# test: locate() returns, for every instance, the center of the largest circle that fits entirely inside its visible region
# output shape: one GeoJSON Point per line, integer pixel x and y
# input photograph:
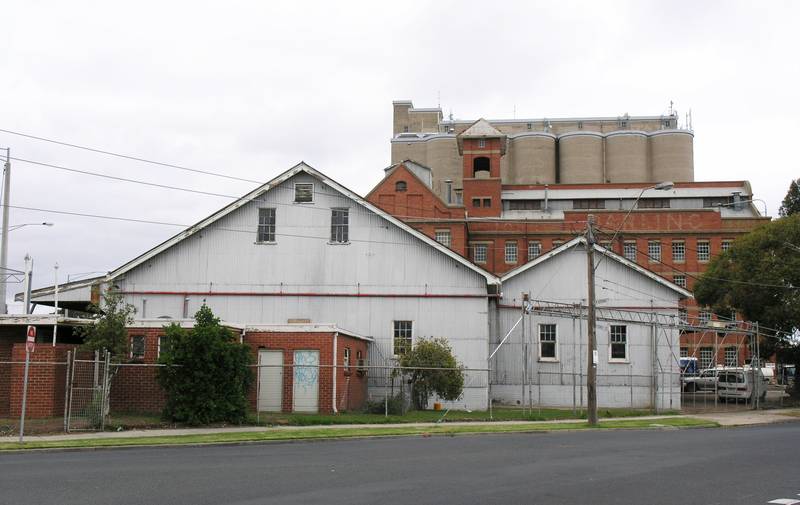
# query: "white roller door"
{"type": "Point", "coordinates": [270, 393]}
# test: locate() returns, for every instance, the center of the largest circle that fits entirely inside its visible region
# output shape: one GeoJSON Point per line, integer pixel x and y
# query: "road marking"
{"type": "Point", "coordinates": [785, 501]}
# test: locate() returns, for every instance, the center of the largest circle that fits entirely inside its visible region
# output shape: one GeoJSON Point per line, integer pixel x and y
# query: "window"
{"type": "Point", "coordinates": [405, 129]}
{"type": "Point", "coordinates": [530, 126]}
{"type": "Point", "coordinates": [340, 225]}
{"type": "Point", "coordinates": [479, 253]}
{"type": "Point", "coordinates": [580, 125]}
{"type": "Point", "coordinates": [703, 317]}
{"type": "Point", "coordinates": [511, 252]}
{"type": "Point", "coordinates": [629, 250]}
{"type": "Point", "coordinates": [683, 315]}
{"type": "Point", "coordinates": [266, 225]}
{"type": "Point", "coordinates": [443, 237]}
{"type": "Point", "coordinates": [717, 201]}
{"type": "Point", "coordinates": [589, 203]}
{"type": "Point", "coordinates": [459, 196]}
{"type": "Point", "coordinates": [605, 244]}
{"type": "Point", "coordinates": [487, 202]}
{"type": "Point", "coordinates": [402, 337]}
{"type": "Point", "coordinates": [303, 192]}
{"type": "Point", "coordinates": [534, 250]}
{"type": "Point", "coordinates": [726, 245]}
{"type": "Point", "coordinates": [706, 357]}
{"type": "Point", "coordinates": [654, 250]}
{"type": "Point", "coordinates": [548, 342]}
{"type": "Point", "coordinates": [346, 359]}
{"type": "Point", "coordinates": [731, 356]}
{"type": "Point", "coordinates": [163, 344]}
{"type": "Point", "coordinates": [524, 204]}
{"type": "Point", "coordinates": [481, 164]}
{"type": "Point", "coordinates": [618, 337]}
{"type": "Point", "coordinates": [557, 243]}
{"type": "Point", "coordinates": [703, 250]}
{"type": "Point", "coordinates": [678, 250]}
{"type": "Point", "coordinates": [679, 280]}
{"type": "Point", "coordinates": [400, 186]}
{"type": "Point", "coordinates": [654, 203]}
{"type": "Point", "coordinates": [137, 347]}
{"type": "Point", "coordinates": [476, 202]}
{"type": "Point", "coordinates": [481, 143]}
{"type": "Point", "coordinates": [684, 352]}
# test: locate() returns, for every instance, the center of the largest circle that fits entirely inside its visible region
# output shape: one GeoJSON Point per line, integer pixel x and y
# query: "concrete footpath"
{"type": "Point", "coordinates": [726, 419]}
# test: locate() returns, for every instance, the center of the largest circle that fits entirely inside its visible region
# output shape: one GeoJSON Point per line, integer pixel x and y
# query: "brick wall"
{"type": "Point", "coordinates": [46, 380]}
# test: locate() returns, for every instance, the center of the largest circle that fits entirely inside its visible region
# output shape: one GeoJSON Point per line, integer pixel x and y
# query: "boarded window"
{"type": "Point", "coordinates": [266, 225]}
{"type": "Point", "coordinates": [340, 225]}
{"type": "Point", "coordinates": [303, 192]}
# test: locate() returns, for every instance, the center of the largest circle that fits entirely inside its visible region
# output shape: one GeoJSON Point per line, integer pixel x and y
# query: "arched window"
{"type": "Point", "coordinates": [400, 186]}
{"type": "Point", "coordinates": [480, 164]}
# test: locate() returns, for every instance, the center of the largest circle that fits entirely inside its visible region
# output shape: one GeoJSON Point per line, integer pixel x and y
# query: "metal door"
{"type": "Point", "coordinates": [305, 389]}
{"type": "Point", "coordinates": [270, 381]}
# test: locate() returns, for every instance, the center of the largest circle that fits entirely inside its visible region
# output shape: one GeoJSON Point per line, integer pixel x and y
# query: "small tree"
{"type": "Point", "coordinates": [791, 203]}
{"type": "Point", "coordinates": [208, 372]}
{"type": "Point", "coordinates": [433, 353]}
{"type": "Point", "coordinates": [111, 318]}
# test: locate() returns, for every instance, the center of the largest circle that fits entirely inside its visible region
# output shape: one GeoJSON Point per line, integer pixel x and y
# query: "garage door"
{"type": "Point", "coordinates": [306, 381]}
{"type": "Point", "coordinates": [270, 378]}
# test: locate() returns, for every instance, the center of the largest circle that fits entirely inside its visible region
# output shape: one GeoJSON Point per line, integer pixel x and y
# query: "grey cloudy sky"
{"type": "Point", "coordinates": [251, 88]}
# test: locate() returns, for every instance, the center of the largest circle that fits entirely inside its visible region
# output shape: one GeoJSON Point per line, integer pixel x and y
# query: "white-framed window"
{"type": "Point", "coordinates": [703, 250]}
{"type": "Point", "coordinates": [304, 192]}
{"type": "Point", "coordinates": [618, 340]}
{"type": "Point", "coordinates": [340, 226]}
{"type": "Point", "coordinates": [346, 359]}
{"type": "Point", "coordinates": [402, 337]}
{"type": "Point", "coordinates": [548, 342]}
{"type": "Point", "coordinates": [678, 250]}
{"type": "Point", "coordinates": [266, 225]}
{"type": "Point", "coordinates": [629, 250]}
{"type": "Point", "coordinates": [706, 357]}
{"type": "Point", "coordinates": [163, 344]}
{"type": "Point", "coordinates": [534, 249]}
{"type": "Point", "coordinates": [703, 317]}
{"type": "Point", "coordinates": [511, 252]}
{"type": "Point", "coordinates": [137, 346]}
{"type": "Point", "coordinates": [654, 250]}
{"type": "Point", "coordinates": [684, 352]}
{"type": "Point", "coordinates": [481, 143]}
{"type": "Point", "coordinates": [443, 237]}
{"type": "Point", "coordinates": [731, 356]}
{"type": "Point", "coordinates": [726, 244]}
{"type": "Point", "coordinates": [479, 253]}
{"type": "Point", "coordinates": [679, 280]}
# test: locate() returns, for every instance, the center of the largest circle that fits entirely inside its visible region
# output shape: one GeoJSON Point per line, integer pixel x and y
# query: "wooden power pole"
{"type": "Point", "coordinates": [591, 353]}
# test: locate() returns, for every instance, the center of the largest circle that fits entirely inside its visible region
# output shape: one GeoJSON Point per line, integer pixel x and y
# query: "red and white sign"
{"type": "Point", "coordinates": [30, 342]}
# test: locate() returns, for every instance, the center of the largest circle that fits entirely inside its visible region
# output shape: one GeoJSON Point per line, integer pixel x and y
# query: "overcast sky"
{"type": "Point", "coordinates": [252, 88]}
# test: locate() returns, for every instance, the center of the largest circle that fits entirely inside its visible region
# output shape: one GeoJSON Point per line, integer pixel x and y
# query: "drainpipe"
{"type": "Point", "coordinates": [335, 335]}
{"type": "Point", "coordinates": [546, 209]}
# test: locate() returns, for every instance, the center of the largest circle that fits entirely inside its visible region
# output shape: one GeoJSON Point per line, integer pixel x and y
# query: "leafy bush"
{"type": "Point", "coordinates": [395, 405]}
{"type": "Point", "coordinates": [207, 374]}
{"type": "Point", "coordinates": [427, 354]}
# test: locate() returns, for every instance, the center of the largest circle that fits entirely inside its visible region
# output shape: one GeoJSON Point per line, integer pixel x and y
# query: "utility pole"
{"type": "Point", "coordinates": [591, 353]}
{"type": "Point", "coordinates": [4, 238]}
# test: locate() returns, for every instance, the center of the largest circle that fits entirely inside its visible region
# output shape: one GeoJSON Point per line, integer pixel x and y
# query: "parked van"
{"type": "Point", "coordinates": [737, 383]}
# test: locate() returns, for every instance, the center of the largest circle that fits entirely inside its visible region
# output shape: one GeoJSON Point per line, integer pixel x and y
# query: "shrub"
{"type": "Point", "coordinates": [395, 405]}
{"type": "Point", "coordinates": [208, 373]}
{"type": "Point", "coordinates": [427, 354]}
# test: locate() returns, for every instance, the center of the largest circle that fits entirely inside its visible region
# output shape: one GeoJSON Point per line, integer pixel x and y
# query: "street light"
{"type": "Point", "coordinates": [18, 226]}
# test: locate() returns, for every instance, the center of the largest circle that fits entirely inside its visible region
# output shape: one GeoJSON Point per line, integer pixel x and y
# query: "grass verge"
{"type": "Point", "coordinates": [284, 434]}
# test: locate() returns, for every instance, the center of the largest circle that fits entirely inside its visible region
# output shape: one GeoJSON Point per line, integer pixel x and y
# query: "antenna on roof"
{"type": "Point", "coordinates": [671, 112]}
{"type": "Point", "coordinates": [439, 99]}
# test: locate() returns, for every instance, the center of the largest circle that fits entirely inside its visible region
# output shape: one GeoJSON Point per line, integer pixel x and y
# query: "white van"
{"type": "Point", "coordinates": [737, 383]}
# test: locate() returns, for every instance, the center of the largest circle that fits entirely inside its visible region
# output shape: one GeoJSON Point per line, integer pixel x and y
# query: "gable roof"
{"type": "Point", "coordinates": [301, 167]}
{"type": "Point", "coordinates": [605, 252]}
{"type": "Point", "coordinates": [404, 165]}
{"type": "Point", "coordinates": [481, 128]}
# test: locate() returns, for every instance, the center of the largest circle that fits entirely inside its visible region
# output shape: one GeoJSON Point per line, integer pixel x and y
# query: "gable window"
{"type": "Point", "coordinates": [703, 250]}
{"type": "Point", "coordinates": [618, 338]}
{"type": "Point", "coordinates": [678, 250]}
{"type": "Point", "coordinates": [340, 226]}
{"type": "Point", "coordinates": [303, 192]}
{"type": "Point", "coordinates": [266, 225]}
{"type": "Point", "coordinates": [163, 344]}
{"type": "Point", "coordinates": [479, 253]}
{"type": "Point", "coordinates": [679, 280]}
{"type": "Point", "coordinates": [481, 143]}
{"type": "Point", "coordinates": [534, 249]}
{"type": "Point", "coordinates": [654, 251]}
{"type": "Point", "coordinates": [511, 252]}
{"type": "Point", "coordinates": [629, 250]}
{"type": "Point", "coordinates": [400, 186]}
{"type": "Point", "coordinates": [443, 237]}
{"type": "Point", "coordinates": [137, 347]}
{"type": "Point", "coordinates": [589, 203]}
{"type": "Point", "coordinates": [402, 337]}
{"type": "Point", "coordinates": [548, 342]}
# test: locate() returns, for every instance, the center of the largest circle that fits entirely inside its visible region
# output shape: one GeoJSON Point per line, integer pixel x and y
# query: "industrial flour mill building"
{"type": "Point", "coordinates": [503, 192]}
{"type": "Point", "coordinates": [308, 273]}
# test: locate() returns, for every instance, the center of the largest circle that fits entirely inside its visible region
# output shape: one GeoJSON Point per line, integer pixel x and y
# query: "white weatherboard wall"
{"type": "Point", "coordinates": [383, 274]}
{"type": "Point", "coordinates": [563, 279]}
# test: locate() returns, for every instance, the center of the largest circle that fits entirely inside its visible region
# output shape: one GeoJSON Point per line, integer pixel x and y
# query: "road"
{"type": "Point", "coordinates": [698, 466]}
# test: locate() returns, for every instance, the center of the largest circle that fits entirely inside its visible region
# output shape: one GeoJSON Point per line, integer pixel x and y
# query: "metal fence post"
{"type": "Point", "coordinates": [24, 395]}
{"type": "Point", "coordinates": [66, 390]}
{"type": "Point", "coordinates": [106, 389]}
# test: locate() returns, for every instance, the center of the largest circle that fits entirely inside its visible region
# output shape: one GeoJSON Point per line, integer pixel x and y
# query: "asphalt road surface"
{"type": "Point", "coordinates": [698, 466]}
